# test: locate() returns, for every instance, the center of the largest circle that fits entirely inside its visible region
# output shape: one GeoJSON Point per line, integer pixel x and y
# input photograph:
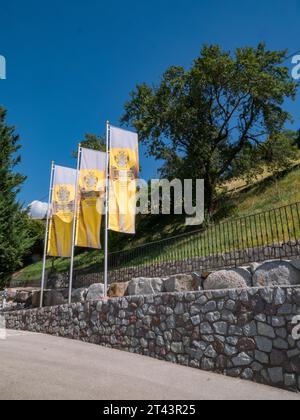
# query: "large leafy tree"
{"type": "Point", "coordinates": [15, 237]}
{"type": "Point", "coordinates": [297, 139]}
{"type": "Point", "coordinates": [220, 119]}
{"type": "Point", "coordinates": [93, 142]}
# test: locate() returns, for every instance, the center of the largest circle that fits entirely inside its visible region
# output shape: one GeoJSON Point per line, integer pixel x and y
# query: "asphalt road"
{"type": "Point", "coordinates": [34, 366]}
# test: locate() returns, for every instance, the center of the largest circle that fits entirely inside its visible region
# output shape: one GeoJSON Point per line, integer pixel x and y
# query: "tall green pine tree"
{"type": "Point", "coordinates": [15, 240]}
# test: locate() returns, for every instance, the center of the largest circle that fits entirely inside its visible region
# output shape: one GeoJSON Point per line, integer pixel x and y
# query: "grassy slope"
{"type": "Point", "coordinates": [264, 195]}
{"type": "Point", "coordinates": [269, 193]}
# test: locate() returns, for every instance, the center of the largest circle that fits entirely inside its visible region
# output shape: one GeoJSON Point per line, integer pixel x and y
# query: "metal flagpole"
{"type": "Point", "coordinates": [74, 223]}
{"type": "Point", "coordinates": [106, 209]}
{"type": "Point", "coordinates": [47, 233]}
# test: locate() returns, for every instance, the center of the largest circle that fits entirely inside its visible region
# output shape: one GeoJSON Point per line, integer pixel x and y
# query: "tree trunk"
{"type": "Point", "coordinates": [210, 187]}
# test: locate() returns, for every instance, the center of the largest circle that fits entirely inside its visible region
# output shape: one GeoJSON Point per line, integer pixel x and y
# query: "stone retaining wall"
{"type": "Point", "coordinates": [241, 333]}
{"type": "Point", "coordinates": [189, 265]}
{"type": "Point", "coordinates": [84, 278]}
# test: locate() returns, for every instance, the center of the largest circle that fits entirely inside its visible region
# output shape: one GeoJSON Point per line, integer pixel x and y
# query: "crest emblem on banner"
{"type": "Point", "coordinates": [90, 181]}
{"type": "Point", "coordinates": [63, 194]}
{"type": "Point", "coordinates": [122, 159]}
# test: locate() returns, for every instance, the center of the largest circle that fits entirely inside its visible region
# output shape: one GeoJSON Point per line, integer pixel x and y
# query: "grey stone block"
{"type": "Point", "coordinates": [276, 375]}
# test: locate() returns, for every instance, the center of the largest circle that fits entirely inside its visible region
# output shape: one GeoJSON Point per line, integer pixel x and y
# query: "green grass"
{"type": "Point", "coordinates": [234, 232]}
{"type": "Point", "coordinates": [60, 265]}
{"type": "Point", "coordinates": [270, 193]}
{"type": "Point", "coordinates": [268, 228]}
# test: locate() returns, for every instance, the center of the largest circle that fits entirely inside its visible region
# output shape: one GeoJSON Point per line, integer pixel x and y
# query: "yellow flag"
{"type": "Point", "coordinates": [62, 216]}
{"type": "Point", "coordinates": [91, 198]}
{"type": "Point", "coordinates": [124, 169]}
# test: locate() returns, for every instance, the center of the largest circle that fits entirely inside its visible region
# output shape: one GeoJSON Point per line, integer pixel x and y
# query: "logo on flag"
{"type": "Point", "coordinates": [63, 195]}
{"type": "Point", "coordinates": [122, 159]}
{"type": "Point", "coordinates": [90, 181]}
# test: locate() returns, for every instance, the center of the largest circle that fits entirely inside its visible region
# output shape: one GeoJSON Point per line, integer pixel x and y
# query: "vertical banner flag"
{"type": "Point", "coordinates": [91, 198]}
{"type": "Point", "coordinates": [61, 223]}
{"type": "Point", "coordinates": [124, 169]}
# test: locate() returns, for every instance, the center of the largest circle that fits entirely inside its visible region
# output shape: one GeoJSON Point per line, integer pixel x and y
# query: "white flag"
{"type": "Point", "coordinates": [124, 169]}
{"type": "Point", "coordinates": [62, 214]}
{"type": "Point", "coordinates": [91, 198]}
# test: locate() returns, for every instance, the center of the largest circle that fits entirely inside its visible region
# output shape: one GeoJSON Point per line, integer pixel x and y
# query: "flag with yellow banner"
{"type": "Point", "coordinates": [62, 212]}
{"type": "Point", "coordinates": [91, 193]}
{"type": "Point", "coordinates": [123, 169]}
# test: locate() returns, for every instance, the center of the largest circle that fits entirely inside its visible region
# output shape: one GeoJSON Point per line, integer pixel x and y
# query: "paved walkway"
{"type": "Point", "coordinates": [34, 366]}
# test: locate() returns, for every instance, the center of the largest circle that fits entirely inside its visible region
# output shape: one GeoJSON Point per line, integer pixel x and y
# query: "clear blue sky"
{"type": "Point", "coordinates": [71, 64]}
